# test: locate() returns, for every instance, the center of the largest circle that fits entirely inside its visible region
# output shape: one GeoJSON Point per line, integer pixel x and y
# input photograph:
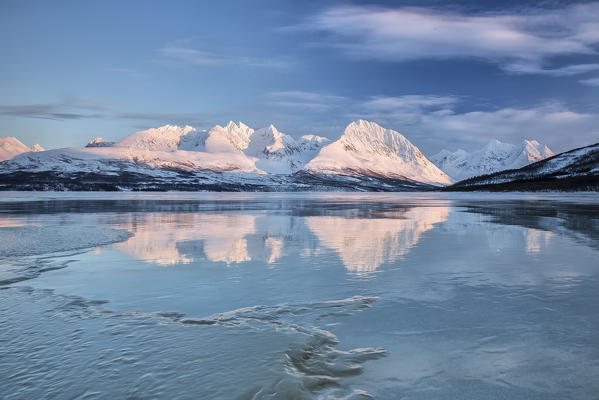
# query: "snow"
{"type": "Point", "coordinates": [495, 156]}
{"type": "Point", "coordinates": [234, 147]}
{"type": "Point", "coordinates": [11, 147]}
{"type": "Point", "coordinates": [102, 159]}
{"type": "Point", "coordinates": [572, 163]}
{"type": "Point", "coordinates": [278, 153]}
{"type": "Point", "coordinates": [165, 138]}
{"type": "Point", "coordinates": [366, 148]}
{"type": "Point", "coordinates": [229, 138]}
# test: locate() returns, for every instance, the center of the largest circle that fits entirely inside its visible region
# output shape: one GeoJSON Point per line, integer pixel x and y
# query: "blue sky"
{"type": "Point", "coordinates": [446, 75]}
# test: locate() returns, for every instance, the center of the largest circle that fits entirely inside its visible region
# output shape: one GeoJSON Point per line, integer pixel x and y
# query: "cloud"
{"type": "Point", "coordinates": [74, 111]}
{"type": "Point", "coordinates": [55, 111]}
{"type": "Point", "coordinates": [409, 102]}
{"type": "Point", "coordinates": [591, 81]}
{"type": "Point", "coordinates": [305, 100]}
{"type": "Point", "coordinates": [563, 71]}
{"type": "Point", "coordinates": [182, 52]}
{"type": "Point", "coordinates": [436, 124]}
{"type": "Point", "coordinates": [407, 109]}
{"type": "Point", "coordinates": [520, 43]}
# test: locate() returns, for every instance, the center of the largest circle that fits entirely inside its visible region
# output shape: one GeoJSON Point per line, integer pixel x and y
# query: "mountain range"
{"type": "Point", "coordinates": [236, 157]}
{"type": "Point", "coordinates": [576, 169]}
{"type": "Point", "coordinates": [495, 156]}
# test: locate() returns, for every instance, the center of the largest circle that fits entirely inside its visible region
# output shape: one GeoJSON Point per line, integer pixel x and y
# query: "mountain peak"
{"type": "Point", "coordinates": [363, 124]}
{"type": "Point", "coordinates": [11, 147]}
{"type": "Point", "coordinates": [367, 148]}
{"type": "Point", "coordinates": [231, 137]}
{"type": "Point", "coordinates": [532, 142]}
{"type": "Point", "coordinates": [236, 126]}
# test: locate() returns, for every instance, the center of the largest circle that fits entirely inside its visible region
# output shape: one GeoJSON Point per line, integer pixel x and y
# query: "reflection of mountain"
{"type": "Point", "coordinates": [363, 243]}
{"type": "Point", "coordinates": [537, 240]}
{"type": "Point", "coordinates": [366, 243]}
{"type": "Point", "coordinates": [167, 239]}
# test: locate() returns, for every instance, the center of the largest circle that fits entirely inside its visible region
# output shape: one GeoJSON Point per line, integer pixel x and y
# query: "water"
{"type": "Point", "coordinates": [299, 296]}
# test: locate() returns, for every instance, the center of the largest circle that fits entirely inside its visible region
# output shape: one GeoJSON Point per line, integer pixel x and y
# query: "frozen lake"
{"type": "Point", "coordinates": [299, 296]}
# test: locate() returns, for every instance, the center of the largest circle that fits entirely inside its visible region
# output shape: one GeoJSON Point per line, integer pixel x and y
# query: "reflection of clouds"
{"type": "Point", "coordinates": [366, 243]}
{"type": "Point", "coordinates": [536, 240]}
{"type": "Point", "coordinates": [156, 237]}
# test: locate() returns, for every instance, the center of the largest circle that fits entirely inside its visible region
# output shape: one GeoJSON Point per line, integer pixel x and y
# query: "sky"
{"type": "Point", "coordinates": [447, 75]}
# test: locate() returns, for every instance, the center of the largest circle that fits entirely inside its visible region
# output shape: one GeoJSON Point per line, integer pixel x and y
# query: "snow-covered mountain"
{"type": "Point", "coordinates": [366, 157]}
{"type": "Point", "coordinates": [495, 156]}
{"type": "Point", "coordinates": [366, 148]}
{"type": "Point", "coordinates": [280, 153]}
{"type": "Point", "coordinates": [576, 169]}
{"type": "Point", "coordinates": [11, 147]}
{"type": "Point", "coordinates": [234, 147]}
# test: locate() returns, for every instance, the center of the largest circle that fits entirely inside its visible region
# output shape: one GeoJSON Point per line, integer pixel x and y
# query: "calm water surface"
{"type": "Point", "coordinates": [299, 296]}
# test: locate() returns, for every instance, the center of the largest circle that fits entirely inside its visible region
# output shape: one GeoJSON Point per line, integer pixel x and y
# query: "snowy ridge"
{"type": "Point", "coordinates": [11, 147]}
{"type": "Point", "coordinates": [282, 154]}
{"type": "Point", "coordinates": [165, 138]}
{"type": "Point", "coordinates": [495, 156]}
{"type": "Point", "coordinates": [366, 148]}
{"type": "Point", "coordinates": [576, 169]}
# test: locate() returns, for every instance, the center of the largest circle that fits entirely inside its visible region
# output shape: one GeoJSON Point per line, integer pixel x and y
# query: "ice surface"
{"type": "Point", "coordinates": [31, 240]}
{"type": "Point", "coordinates": [302, 296]}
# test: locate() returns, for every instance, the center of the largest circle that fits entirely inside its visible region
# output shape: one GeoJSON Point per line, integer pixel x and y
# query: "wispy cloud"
{"type": "Point", "coordinates": [517, 42]}
{"type": "Point", "coordinates": [409, 102]}
{"type": "Point", "coordinates": [55, 111]}
{"type": "Point", "coordinates": [407, 109]}
{"type": "Point", "coordinates": [298, 99]}
{"type": "Point", "coordinates": [435, 122]}
{"type": "Point", "coordinates": [75, 110]}
{"type": "Point", "coordinates": [591, 81]}
{"type": "Point", "coordinates": [183, 52]}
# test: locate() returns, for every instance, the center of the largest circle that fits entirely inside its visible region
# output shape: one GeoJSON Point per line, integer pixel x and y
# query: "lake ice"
{"type": "Point", "coordinates": [299, 296]}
